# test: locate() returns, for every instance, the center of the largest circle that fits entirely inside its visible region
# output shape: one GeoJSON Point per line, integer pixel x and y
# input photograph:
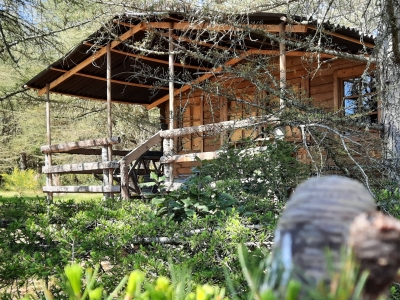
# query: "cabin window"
{"type": "Point", "coordinates": [360, 98]}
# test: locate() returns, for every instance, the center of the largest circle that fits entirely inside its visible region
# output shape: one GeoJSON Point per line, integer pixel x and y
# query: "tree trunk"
{"type": "Point", "coordinates": [22, 161]}
{"type": "Point", "coordinates": [389, 64]}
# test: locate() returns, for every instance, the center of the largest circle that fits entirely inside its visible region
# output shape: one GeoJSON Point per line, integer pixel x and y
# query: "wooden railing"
{"type": "Point", "coordinates": [80, 147]}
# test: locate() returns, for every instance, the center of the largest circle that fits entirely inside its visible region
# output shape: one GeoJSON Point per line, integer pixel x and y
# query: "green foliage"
{"type": "Point", "coordinates": [388, 200]}
{"type": "Point", "coordinates": [38, 240]}
{"type": "Point", "coordinates": [21, 180]}
{"type": "Point", "coordinates": [134, 286]}
{"type": "Point", "coordinates": [269, 172]}
{"type": "Point", "coordinates": [197, 196]}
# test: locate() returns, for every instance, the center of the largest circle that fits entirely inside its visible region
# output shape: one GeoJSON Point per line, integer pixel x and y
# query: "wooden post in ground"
{"type": "Point", "coordinates": [109, 120]}
{"type": "Point", "coordinates": [124, 179]}
{"type": "Point", "coordinates": [169, 143]}
{"type": "Point", "coordinates": [47, 156]}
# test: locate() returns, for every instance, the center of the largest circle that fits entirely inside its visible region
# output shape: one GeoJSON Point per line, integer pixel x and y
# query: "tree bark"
{"type": "Point", "coordinates": [389, 63]}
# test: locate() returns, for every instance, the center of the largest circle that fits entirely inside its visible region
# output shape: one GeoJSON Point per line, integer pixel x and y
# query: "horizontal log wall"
{"type": "Point", "coordinates": [306, 78]}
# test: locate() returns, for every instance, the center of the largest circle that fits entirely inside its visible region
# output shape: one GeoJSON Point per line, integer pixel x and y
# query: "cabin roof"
{"type": "Point", "coordinates": [82, 71]}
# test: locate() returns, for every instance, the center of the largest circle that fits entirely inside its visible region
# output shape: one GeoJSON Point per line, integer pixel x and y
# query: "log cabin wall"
{"type": "Point", "coordinates": [310, 79]}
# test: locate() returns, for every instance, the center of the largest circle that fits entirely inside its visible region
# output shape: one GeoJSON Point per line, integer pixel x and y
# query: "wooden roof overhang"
{"type": "Point", "coordinates": [82, 72]}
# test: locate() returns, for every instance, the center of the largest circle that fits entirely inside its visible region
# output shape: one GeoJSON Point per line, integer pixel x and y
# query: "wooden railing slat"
{"type": "Point", "coordinates": [83, 189]}
{"type": "Point", "coordinates": [80, 144]}
{"type": "Point", "coordinates": [80, 167]}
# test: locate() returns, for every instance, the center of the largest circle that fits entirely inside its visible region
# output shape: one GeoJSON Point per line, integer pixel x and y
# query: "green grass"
{"type": "Point", "coordinates": [75, 196]}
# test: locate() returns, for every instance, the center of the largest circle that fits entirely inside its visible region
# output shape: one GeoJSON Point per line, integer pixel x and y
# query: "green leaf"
{"type": "Point", "coordinates": [189, 212]}
{"type": "Point", "coordinates": [96, 293]}
{"type": "Point", "coordinates": [187, 202]}
{"type": "Point", "coordinates": [74, 276]}
{"type": "Point", "coordinates": [157, 201]}
{"type": "Point", "coordinates": [154, 176]}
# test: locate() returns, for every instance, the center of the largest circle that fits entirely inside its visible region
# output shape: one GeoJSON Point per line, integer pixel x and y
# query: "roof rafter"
{"type": "Point", "coordinates": [143, 57]}
{"type": "Point", "coordinates": [90, 98]}
{"type": "Point", "coordinates": [148, 86]}
{"type": "Point", "coordinates": [92, 58]}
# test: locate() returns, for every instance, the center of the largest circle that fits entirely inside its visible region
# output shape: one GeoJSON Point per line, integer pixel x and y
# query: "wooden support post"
{"type": "Point", "coordinates": [47, 156]}
{"type": "Point", "coordinates": [337, 95]}
{"type": "Point", "coordinates": [104, 158]}
{"type": "Point", "coordinates": [223, 111]}
{"type": "Point", "coordinates": [169, 148]}
{"type": "Point", "coordinates": [282, 64]}
{"type": "Point", "coordinates": [109, 120]}
{"type": "Point", "coordinates": [124, 180]}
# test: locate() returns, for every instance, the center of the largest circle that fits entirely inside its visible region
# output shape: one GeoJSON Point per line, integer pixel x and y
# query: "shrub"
{"type": "Point", "coordinates": [21, 180]}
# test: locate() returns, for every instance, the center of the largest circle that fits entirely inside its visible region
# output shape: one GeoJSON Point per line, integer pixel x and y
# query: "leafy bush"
{"type": "Point", "coordinates": [271, 171]}
{"type": "Point", "coordinates": [197, 196]}
{"type": "Point", "coordinates": [38, 240]}
{"type": "Point", "coordinates": [21, 180]}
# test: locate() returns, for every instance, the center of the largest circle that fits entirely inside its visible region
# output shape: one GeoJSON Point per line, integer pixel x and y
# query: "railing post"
{"type": "Point", "coordinates": [124, 180]}
{"type": "Point", "coordinates": [104, 158]}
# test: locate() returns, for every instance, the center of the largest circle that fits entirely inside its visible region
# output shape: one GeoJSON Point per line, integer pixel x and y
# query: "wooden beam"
{"type": "Point", "coordinates": [147, 86]}
{"type": "Point", "coordinates": [343, 37]}
{"type": "Point", "coordinates": [90, 98]}
{"type": "Point", "coordinates": [92, 58]}
{"type": "Point", "coordinates": [160, 60]}
{"type": "Point", "coordinates": [141, 149]}
{"type": "Point", "coordinates": [143, 57]}
{"type": "Point", "coordinates": [81, 167]}
{"type": "Point", "coordinates": [80, 144]}
{"type": "Point", "coordinates": [221, 27]}
{"type": "Point", "coordinates": [82, 189]}
{"type": "Point", "coordinates": [96, 152]}
{"type": "Point", "coordinates": [217, 127]}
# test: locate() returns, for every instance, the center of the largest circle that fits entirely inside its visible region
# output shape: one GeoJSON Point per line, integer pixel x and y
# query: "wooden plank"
{"type": "Point", "coordinates": [147, 86]}
{"type": "Point", "coordinates": [141, 149]}
{"type": "Point", "coordinates": [84, 167]}
{"type": "Point", "coordinates": [92, 58]}
{"type": "Point", "coordinates": [82, 189]}
{"type": "Point", "coordinates": [80, 144]}
{"type": "Point", "coordinates": [96, 152]}
{"type": "Point", "coordinates": [354, 71]}
{"type": "Point", "coordinates": [321, 89]}
{"type": "Point", "coordinates": [322, 97]}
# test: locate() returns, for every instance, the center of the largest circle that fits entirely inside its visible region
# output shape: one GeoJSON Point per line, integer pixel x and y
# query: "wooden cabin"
{"type": "Point", "coordinates": [214, 84]}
